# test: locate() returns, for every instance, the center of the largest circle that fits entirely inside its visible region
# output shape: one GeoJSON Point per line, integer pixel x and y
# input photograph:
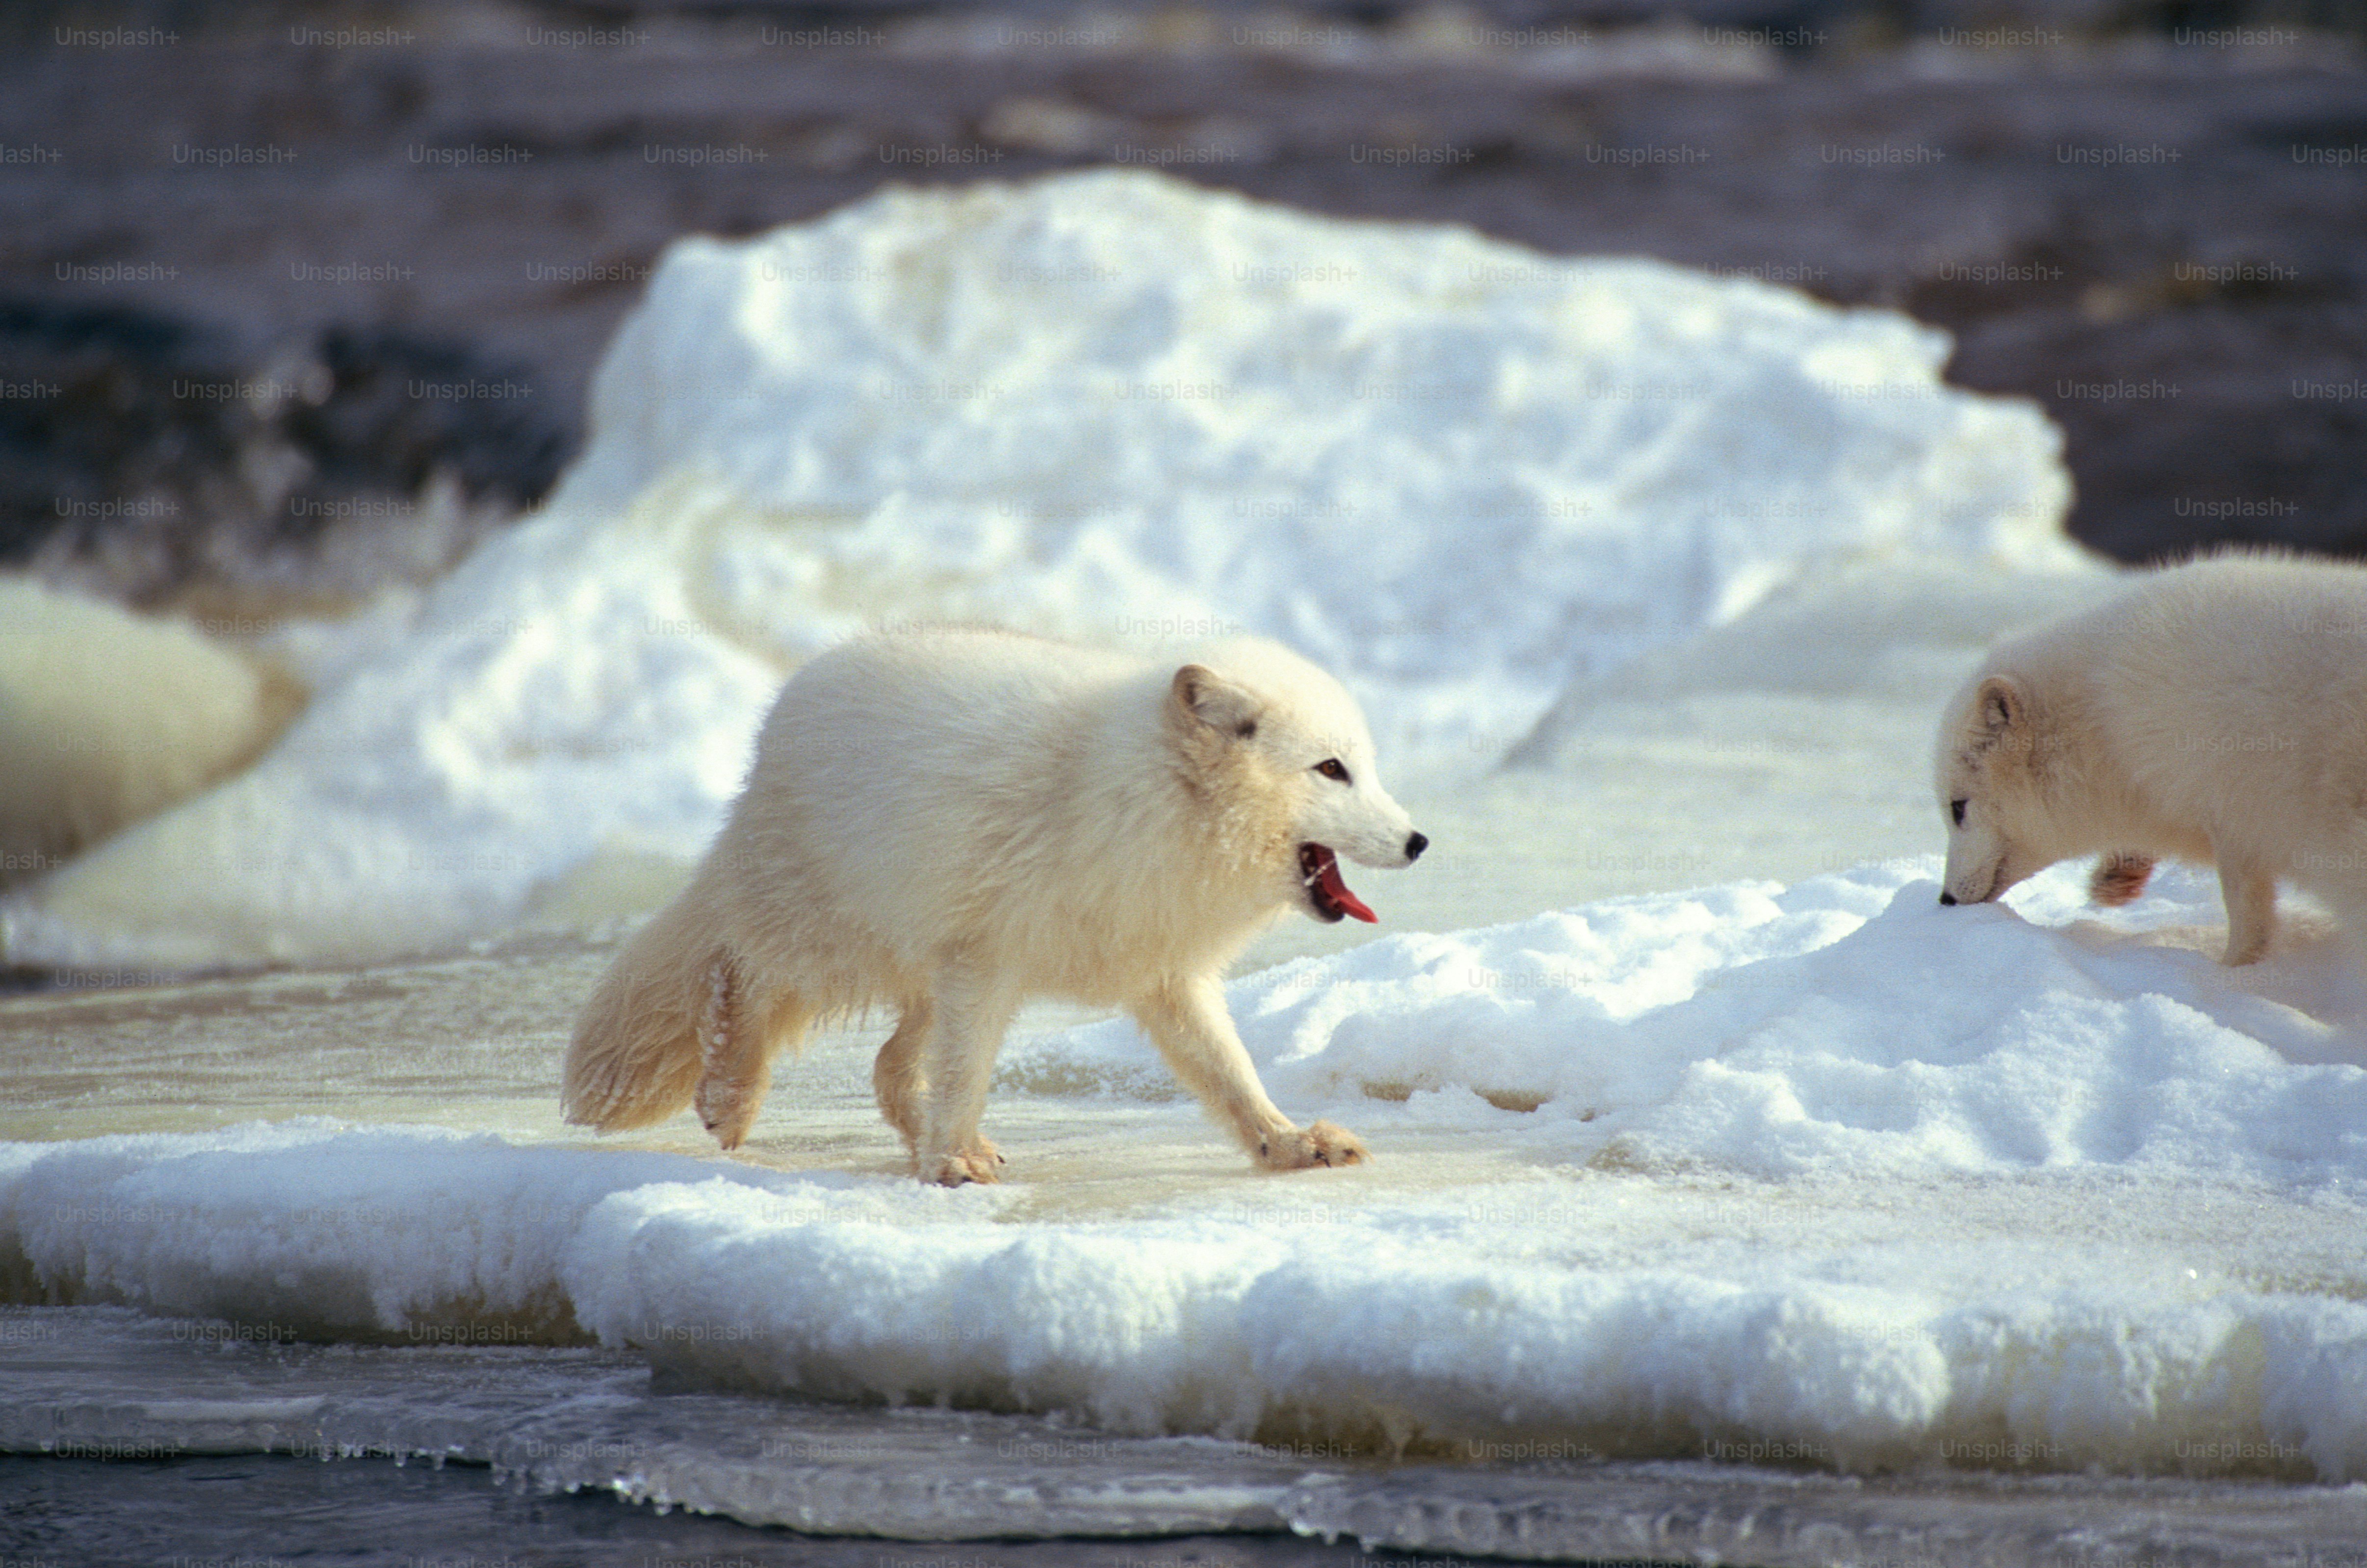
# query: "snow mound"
{"type": "Point", "coordinates": [1848, 1026]}
{"type": "Point", "coordinates": [1108, 405]}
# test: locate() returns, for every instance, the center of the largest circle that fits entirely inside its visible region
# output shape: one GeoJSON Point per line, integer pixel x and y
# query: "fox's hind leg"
{"type": "Point", "coordinates": [740, 1030]}
{"type": "Point", "coordinates": [2120, 878]}
{"type": "Point", "coordinates": [2336, 873]}
{"type": "Point", "coordinates": [895, 1076]}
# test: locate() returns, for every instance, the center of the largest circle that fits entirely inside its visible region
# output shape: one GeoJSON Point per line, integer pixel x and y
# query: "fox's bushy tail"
{"type": "Point", "coordinates": [639, 1047]}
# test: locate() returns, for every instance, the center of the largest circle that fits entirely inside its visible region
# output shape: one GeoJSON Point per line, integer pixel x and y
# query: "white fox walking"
{"type": "Point", "coordinates": [952, 822]}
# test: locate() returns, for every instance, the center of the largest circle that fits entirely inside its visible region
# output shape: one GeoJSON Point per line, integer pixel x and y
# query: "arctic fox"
{"type": "Point", "coordinates": [951, 822]}
{"type": "Point", "coordinates": [2215, 713]}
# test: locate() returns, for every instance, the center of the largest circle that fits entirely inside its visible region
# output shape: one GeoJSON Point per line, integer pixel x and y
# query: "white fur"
{"type": "Point", "coordinates": [2215, 713]}
{"type": "Point", "coordinates": [953, 822]}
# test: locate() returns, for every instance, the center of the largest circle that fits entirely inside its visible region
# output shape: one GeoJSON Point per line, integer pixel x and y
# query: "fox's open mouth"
{"type": "Point", "coordinates": [1318, 869]}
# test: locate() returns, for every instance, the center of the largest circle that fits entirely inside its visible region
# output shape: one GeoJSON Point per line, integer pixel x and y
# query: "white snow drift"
{"type": "Point", "coordinates": [1109, 405]}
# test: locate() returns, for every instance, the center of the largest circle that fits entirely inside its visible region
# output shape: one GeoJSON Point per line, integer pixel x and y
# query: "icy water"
{"type": "Point", "coordinates": [256, 1510]}
{"type": "Point", "coordinates": [183, 1440]}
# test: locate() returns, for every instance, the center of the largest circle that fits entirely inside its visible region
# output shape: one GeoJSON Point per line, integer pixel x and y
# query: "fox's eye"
{"type": "Point", "coordinates": [1957, 812]}
{"type": "Point", "coordinates": [1331, 769]}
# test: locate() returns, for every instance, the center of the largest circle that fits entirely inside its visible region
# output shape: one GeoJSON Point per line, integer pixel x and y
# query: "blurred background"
{"type": "Point", "coordinates": [289, 212]}
{"type": "Point", "coordinates": [301, 303]}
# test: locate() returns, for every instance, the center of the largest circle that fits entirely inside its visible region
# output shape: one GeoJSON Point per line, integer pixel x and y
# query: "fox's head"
{"type": "Point", "coordinates": [1283, 750]}
{"type": "Point", "coordinates": [1993, 778]}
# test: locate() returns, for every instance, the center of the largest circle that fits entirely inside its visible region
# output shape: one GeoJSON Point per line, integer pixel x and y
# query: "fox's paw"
{"type": "Point", "coordinates": [730, 1135]}
{"type": "Point", "coordinates": [981, 1163]}
{"type": "Point", "coordinates": [1319, 1143]}
{"type": "Point", "coordinates": [729, 1110]}
{"type": "Point", "coordinates": [2118, 879]}
{"type": "Point", "coordinates": [2247, 951]}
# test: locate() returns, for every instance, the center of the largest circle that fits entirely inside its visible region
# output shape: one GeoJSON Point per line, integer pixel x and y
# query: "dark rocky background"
{"type": "Point", "coordinates": [237, 241]}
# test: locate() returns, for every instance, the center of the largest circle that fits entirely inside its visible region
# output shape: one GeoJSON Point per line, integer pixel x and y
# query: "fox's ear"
{"type": "Point", "coordinates": [1202, 695]}
{"type": "Point", "coordinates": [2000, 709]}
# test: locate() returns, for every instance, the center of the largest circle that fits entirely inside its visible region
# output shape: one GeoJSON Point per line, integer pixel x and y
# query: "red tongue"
{"type": "Point", "coordinates": [1327, 877]}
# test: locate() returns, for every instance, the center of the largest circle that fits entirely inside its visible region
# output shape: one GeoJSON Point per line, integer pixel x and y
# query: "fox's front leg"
{"type": "Point", "coordinates": [1187, 1020]}
{"type": "Point", "coordinates": [2250, 895]}
{"type": "Point", "coordinates": [965, 1017]}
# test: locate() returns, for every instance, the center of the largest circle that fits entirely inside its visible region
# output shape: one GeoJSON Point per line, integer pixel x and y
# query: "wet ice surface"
{"type": "Point", "coordinates": [105, 1385]}
{"type": "Point", "coordinates": [87, 1384]}
{"type": "Point", "coordinates": [251, 1509]}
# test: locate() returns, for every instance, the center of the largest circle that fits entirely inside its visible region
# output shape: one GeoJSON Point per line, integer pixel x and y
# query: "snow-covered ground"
{"type": "Point", "coordinates": [1826, 1174]}
{"type": "Point", "coordinates": [1701, 1132]}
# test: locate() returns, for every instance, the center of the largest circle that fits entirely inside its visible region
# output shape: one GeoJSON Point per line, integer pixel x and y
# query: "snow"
{"type": "Point", "coordinates": [1823, 1175]}
{"type": "Point", "coordinates": [1747, 1151]}
{"type": "Point", "coordinates": [1107, 405]}
{"type": "Point", "coordinates": [1848, 1027]}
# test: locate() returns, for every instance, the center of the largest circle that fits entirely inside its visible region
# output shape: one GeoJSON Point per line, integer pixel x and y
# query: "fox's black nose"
{"type": "Point", "coordinates": [1946, 896]}
{"type": "Point", "coordinates": [1415, 844]}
